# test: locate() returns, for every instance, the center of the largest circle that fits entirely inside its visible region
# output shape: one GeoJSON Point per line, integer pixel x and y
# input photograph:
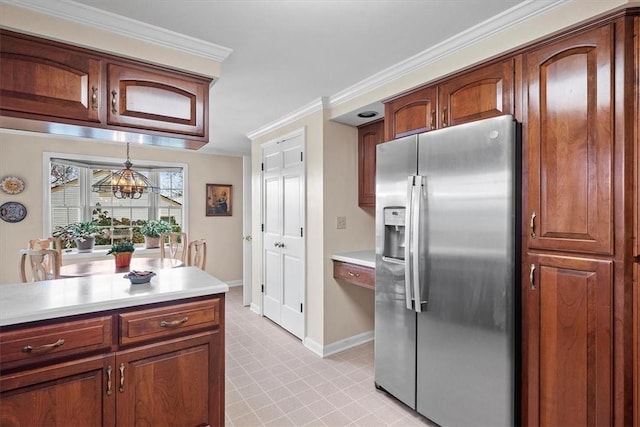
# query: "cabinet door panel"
{"type": "Point", "coordinates": [55, 395]}
{"type": "Point", "coordinates": [153, 100]}
{"type": "Point", "coordinates": [569, 349]}
{"type": "Point", "coordinates": [479, 94]}
{"type": "Point", "coordinates": [47, 82]}
{"type": "Point", "coordinates": [369, 136]}
{"type": "Point", "coordinates": [410, 114]}
{"type": "Point", "coordinates": [172, 384]}
{"type": "Point", "coordinates": [570, 144]}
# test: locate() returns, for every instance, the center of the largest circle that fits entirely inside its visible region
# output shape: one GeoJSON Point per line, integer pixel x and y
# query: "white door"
{"type": "Point", "coordinates": [283, 235]}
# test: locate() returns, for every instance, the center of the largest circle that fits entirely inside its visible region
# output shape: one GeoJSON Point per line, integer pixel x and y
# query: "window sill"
{"type": "Point", "coordinates": [73, 254]}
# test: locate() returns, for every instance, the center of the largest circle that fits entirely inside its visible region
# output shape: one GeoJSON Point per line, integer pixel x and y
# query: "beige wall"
{"type": "Point", "coordinates": [21, 155]}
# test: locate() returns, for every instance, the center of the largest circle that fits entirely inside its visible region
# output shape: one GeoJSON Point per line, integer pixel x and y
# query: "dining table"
{"type": "Point", "coordinates": [108, 266]}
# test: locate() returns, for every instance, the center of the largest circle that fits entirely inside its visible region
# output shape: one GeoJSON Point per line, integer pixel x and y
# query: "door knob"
{"type": "Point", "coordinates": [247, 238]}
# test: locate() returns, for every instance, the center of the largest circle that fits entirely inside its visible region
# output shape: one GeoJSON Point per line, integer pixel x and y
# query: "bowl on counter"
{"type": "Point", "coordinates": [139, 277]}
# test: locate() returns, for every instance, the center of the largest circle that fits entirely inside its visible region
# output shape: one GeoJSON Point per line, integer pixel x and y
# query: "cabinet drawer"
{"type": "Point", "coordinates": [43, 343]}
{"type": "Point", "coordinates": [164, 322]}
{"type": "Point", "coordinates": [355, 274]}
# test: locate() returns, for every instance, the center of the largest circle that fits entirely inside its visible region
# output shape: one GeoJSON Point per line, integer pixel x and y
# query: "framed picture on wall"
{"type": "Point", "coordinates": [219, 201]}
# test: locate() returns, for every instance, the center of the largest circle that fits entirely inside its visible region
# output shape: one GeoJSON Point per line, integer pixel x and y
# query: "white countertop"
{"type": "Point", "coordinates": [363, 258]}
{"type": "Point", "coordinates": [27, 302]}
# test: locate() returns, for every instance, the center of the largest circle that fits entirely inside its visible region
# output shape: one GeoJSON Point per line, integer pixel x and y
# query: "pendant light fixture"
{"type": "Point", "coordinates": [125, 183]}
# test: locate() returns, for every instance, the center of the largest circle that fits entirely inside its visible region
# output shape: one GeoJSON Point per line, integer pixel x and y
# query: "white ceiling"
{"type": "Point", "coordinates": [290, 53]}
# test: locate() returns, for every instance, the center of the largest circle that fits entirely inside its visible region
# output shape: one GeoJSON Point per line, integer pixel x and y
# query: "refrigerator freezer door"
{"type": "Point", "coordinates": [395, 325]}
{"type": "Point", "coordinates": [465, 338]}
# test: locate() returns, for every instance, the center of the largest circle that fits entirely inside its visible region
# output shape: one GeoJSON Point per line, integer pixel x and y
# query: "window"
{"type": "Point", "coordinates": [71, 198]}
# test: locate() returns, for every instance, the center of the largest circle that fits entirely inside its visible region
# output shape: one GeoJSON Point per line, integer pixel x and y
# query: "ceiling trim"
{"type": "Point", "coordinates": [503, 21]}
{"type": "Point", "coordinates": [317, 105]}
{"type": "Point", "coordinates": [96, 18]}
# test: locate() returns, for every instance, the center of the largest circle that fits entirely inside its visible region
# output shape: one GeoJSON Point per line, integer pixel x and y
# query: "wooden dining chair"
{"type": "Point", "coordinates": [48, 243]}
{"type": "Point", "coordinates": [39, 264]}
{"type": "Point", "coordinates": [197, 254]}
{"type": "Point", "coordinates": [174, 245]}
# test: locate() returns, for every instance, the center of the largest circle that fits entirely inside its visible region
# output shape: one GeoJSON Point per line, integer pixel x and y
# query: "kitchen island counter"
{"type": "Point", "coordinates": [28, 302]}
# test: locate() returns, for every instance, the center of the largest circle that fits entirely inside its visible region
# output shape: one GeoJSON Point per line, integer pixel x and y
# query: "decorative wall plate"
{"type": "Point", "coordinates": [12, 185]}
{"type": "Point", "coordinates": [13, 212]}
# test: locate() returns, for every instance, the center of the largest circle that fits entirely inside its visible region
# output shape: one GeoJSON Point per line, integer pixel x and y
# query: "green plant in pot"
{"type": "Point", "coordinates": [82, 233]}
{"type": "Point", "coordinates": [151, 231]}
{"type": "Point", "coordinates": [122, 252]}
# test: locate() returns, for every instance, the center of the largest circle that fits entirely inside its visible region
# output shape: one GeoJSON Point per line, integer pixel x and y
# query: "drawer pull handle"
{"type": "Point", "coordinates": [352, 274]}
{"type": "Point", "coordinates": [532, 225]}
{"type": "Point", "coordinates": [114, 102]}
{"type": "Point", "coordinates": [173, 323]}
{"type": "Point", "coordinates": [109, 392]}
{"type": "Point", "coordinates": [121, 389]}
{"type": "Point", "coordinates": [94, 98]}
{"type": "Point", "coordinates": [42, 348]}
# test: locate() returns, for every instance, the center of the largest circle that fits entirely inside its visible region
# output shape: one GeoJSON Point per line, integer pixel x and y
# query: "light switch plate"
{"type": "Point", "coordinates": [341, 222]}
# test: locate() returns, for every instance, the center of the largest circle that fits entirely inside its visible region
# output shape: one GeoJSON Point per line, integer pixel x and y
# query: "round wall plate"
{"type": "Point", "coordinates": [13, 212]}
{"type": "Point", "coordinates": [12, 185]}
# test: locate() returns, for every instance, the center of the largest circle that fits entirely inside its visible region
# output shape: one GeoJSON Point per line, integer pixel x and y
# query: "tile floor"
{"type": "Point", "coordinates": [273, 380]}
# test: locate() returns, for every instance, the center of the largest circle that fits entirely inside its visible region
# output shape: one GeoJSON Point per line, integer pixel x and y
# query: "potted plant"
{"type": "Point", "coordinates": [151, 231]}
{"type": "Point", "coordinates": [82, 233]}
{"type": "Point", "coordinates": [122, 252]}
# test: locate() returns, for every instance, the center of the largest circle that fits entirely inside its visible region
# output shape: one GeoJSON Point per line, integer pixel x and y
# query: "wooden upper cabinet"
{"type": "Point", "coordinates": [369, 136]}
{"type": "Point", "coordinates": [49, 81]}
{"type": "Point", "coordinates": [478, 94]}
{"type": "Point", "coordinates": [567, 330]}
{"type": "Point", "coordinates": [570, 143]}
{"type": "Point", "coordinates": [409, 114]}
{"type": "Point", "coordinates": [96, 94]}
{"type": "Point", "coordinates": [157, 100]}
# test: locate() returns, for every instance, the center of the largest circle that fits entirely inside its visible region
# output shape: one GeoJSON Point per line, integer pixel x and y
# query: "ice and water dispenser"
{"type": "Point", "coordinates": [394, 221]}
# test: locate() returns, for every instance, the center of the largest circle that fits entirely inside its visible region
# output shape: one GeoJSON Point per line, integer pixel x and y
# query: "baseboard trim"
{"type": "Point", "coordinates": [255, 308]}
{"type": "Point", "coordinates": [234, 283]}
{"type": "Point", "coordinates": [338, 346]}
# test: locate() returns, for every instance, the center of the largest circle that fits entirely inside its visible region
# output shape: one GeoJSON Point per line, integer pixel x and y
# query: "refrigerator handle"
{"type": "Point", "coordinates": [408, 247]}
{"type": "Point", "coordinates": [415, 231]}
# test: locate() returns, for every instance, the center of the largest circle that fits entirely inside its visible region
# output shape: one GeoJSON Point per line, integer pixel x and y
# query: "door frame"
{"type": "Point", "coordinates": [246, 231]}
{"type": "Point", "coordinates": [295, 133]}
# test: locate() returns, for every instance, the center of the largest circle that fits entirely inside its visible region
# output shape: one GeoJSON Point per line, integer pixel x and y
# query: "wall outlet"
{"type": "Point", "coordinates": [341, 222]}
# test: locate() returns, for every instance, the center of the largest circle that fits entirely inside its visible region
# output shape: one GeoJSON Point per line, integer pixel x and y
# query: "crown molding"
{"type": "Point", "coordinates": [107, 21]}
{"type": "Point", "coordinates": [317, 105]}
{"type": "Point", "coordinates": [491, 27]}
{"type": "Point", "coordinates": [495, 25]}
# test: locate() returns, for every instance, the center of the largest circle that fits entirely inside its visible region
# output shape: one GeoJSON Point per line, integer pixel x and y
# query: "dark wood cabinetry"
{"type": "Point", "coordinates": [163, 365]}
{"type": "Point", "coordinates": [478, 94]}
{"type": "Point", "coordinates": [410, 113]}
{"type": "Point", "coordinates": [569, 357]}
{"type": "Point", "coordinates": [155, 100]}
{"type": "Point", "coordinates": [49, 81]}
{"type": "Point", "coordinates": [570, 143]}
{"type": "Point", "coordinates": [369, 136]}
{"type": "Point", "coordinates": [355, 274]}
{"type": "Point", "coordinates": [576, 293]}
{"type": "Point", "coordinates": [85, 92]}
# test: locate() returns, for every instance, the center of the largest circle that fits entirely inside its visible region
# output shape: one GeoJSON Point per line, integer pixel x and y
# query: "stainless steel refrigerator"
{"type": "Point", "coordinates": [446, 261]}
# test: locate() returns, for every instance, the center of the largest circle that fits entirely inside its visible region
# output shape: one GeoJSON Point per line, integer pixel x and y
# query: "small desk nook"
{"type": "Point", "coordinates": [98, 350]}
{"type": "Point", "coordinates": [356, 268]}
